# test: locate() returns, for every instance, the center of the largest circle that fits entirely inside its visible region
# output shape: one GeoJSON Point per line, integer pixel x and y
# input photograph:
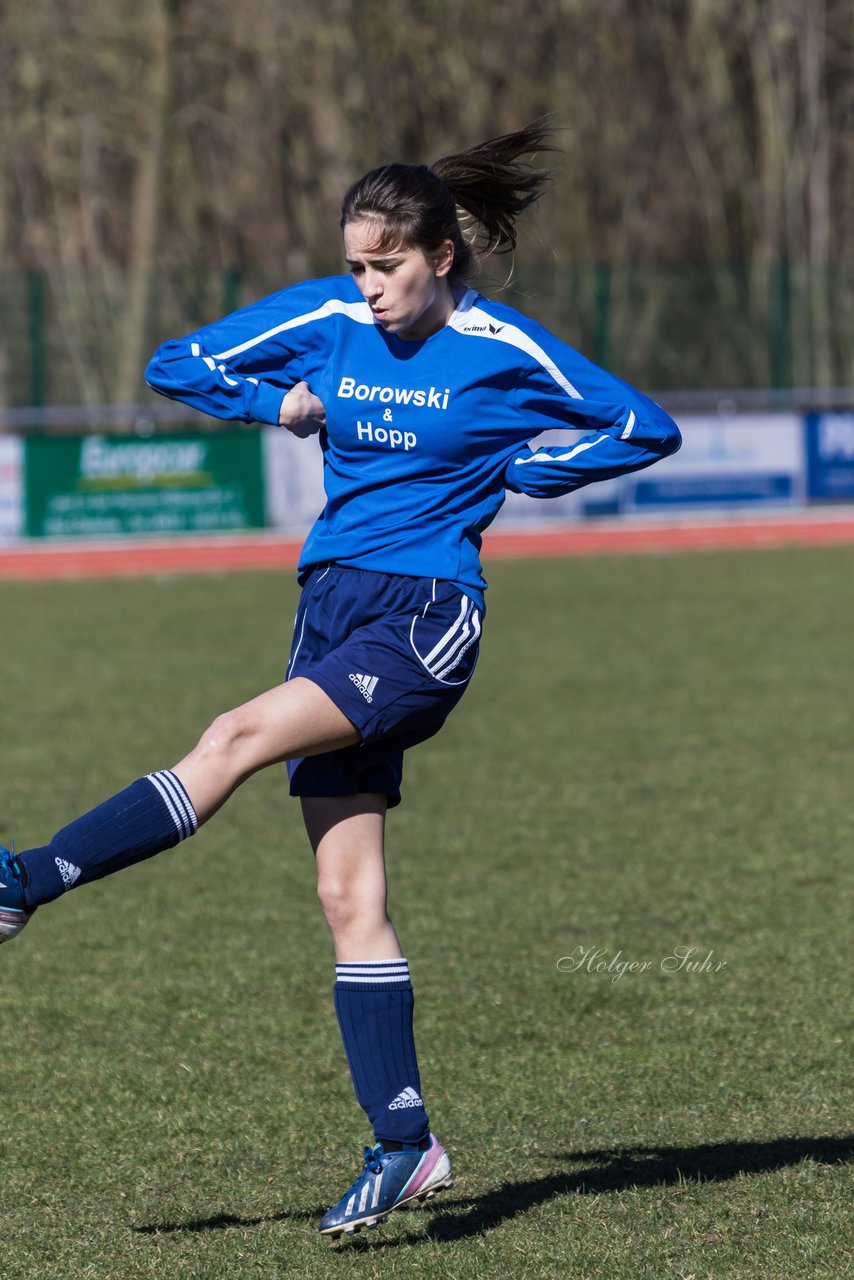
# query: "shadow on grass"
{"type": "Point", "coordinates": [608, 1170]}
{"type": "Point", "coordinates": [223, 1221]}
{"type": "Point", "coordinates": [630, 1168]}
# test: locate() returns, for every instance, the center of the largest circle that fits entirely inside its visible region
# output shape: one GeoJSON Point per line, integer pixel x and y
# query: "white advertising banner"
{"type": "Point", "coordinates": [11, 487]}
{"type": "Point", "coordinates": [293, 480]}
{"type": "Point", "coordinates": [729, 461]}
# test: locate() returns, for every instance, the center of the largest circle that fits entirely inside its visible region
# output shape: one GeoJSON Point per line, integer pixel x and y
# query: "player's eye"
{"type": "Point", "coordinates": [385, 268]}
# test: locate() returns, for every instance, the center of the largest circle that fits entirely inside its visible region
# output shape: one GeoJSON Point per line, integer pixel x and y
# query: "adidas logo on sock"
{"type": "Point", "coordinates": [70, 874]}
{"type": "Point", "coordinates": [365, 685]}
{"type": "Point", "coordinates": [408, 1098]}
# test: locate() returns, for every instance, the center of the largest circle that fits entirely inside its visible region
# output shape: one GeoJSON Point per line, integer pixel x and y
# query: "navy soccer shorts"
{"type": "Point", "coordinates": [395, 654]}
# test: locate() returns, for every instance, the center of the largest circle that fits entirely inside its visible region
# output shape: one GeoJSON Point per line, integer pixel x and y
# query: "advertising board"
{"type": "Point", "coordinates": [99, 486]}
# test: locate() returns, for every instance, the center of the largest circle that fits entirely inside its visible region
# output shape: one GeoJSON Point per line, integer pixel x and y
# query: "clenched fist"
{"type": "Point", "coordinates": [301, 411]}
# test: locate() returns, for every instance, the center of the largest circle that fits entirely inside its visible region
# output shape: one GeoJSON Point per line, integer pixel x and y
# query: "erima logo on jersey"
{"type": "Point", "coordinates": [365, 685]}
{"type": "Point", "coordinates": [482, 328]}
{"type": "Point", "coordinates": [70, 874]}
{"type": "Point", "coordinates": [419, 398]}
{"type": "Point", "coordinates": [408, 1098]}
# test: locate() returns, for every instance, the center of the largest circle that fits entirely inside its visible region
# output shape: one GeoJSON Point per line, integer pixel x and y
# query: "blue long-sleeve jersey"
{"type": "Point", "coordinates": [422, 438]}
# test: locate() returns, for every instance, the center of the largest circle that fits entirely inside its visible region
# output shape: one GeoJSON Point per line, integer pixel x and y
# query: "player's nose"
{"type": "Point", "coordinates": [373, 285]}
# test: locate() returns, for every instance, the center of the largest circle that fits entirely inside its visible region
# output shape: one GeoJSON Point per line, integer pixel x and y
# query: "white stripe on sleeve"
{"type": "Point", "coordinates": [561, 457]}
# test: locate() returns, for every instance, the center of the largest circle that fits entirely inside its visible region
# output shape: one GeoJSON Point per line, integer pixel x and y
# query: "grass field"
{"type": "Point", "coordinates": [655, 753]}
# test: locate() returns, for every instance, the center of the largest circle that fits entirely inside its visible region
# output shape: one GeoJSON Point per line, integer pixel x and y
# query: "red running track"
{"type": "Point", "coordinates": [222, 554]}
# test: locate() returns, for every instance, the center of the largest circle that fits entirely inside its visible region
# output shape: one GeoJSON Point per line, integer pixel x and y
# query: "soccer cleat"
{"type": "Point", "coordinates": [389, 1180]}
{"type": "Point", "coordinates": [14, 912]}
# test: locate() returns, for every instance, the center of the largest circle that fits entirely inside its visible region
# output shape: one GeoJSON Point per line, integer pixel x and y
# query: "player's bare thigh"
{"type": "Point", "coordinates": [294, 719]}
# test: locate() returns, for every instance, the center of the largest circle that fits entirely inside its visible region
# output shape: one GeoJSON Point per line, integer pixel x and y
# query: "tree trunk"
{"type": "Point", "coordinates": [145, 209]}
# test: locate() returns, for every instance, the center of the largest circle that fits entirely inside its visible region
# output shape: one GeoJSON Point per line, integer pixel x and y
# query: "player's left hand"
{"type": "Point", "coordinates": [302, 412]}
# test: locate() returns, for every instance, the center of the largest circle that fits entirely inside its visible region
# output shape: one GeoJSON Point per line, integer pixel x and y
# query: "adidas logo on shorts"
{"type": "Point", "coordinates": [365, 685]}
{"type": "Point", "coordinates": [408, 1098]}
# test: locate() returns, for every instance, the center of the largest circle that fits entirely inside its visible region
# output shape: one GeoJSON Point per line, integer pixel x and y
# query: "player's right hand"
{"type": "Point", "coordinates": [301, 412]}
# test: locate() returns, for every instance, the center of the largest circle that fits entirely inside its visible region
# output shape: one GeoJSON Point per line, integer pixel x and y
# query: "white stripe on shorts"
{"type": "Point", "coordinates": [437, 649]}
{"type": "Point", "coordinates": [459, 640]}
{"type": "Point", "coordinates": [475, 621]}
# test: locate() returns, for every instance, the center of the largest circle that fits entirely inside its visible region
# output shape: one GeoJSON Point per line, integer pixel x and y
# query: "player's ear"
{"type": "Point", "coordinates": [443, 258]}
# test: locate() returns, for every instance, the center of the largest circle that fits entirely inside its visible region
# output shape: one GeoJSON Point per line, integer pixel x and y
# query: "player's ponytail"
{"type": "Point", "coordinates": [492, 184]}
{"type": "Point", "coordinates": [472, 198]}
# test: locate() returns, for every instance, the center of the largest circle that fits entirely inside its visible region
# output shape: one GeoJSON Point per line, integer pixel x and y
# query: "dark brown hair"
{"type": "Point", "coordinates": [471, 197]}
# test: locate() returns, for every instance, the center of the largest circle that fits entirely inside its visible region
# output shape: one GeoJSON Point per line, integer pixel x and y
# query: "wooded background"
{"type": "Point", "coordinates": [166, 160]}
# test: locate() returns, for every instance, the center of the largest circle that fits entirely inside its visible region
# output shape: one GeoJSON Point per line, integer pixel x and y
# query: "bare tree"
{"type": "Point", "coordinates": [154, 147]}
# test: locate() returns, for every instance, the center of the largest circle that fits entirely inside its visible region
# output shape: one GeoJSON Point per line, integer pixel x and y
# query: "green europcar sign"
{"type": "Point", "coordinates": [108, 486]}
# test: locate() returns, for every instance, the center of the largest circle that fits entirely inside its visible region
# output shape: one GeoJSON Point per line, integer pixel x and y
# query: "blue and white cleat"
{"type": "Point", "coordinates": [14, 912]}
{"type": "Point", "coordinates": [390, 1180]}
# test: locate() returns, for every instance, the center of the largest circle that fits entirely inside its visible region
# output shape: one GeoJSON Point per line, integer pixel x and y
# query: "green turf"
{"type": "Point", "coordinates": [655, 752]}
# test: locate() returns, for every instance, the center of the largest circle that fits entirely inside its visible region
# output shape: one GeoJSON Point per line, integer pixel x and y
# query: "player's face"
{"type": "Point", "coordinates": [406, 289]}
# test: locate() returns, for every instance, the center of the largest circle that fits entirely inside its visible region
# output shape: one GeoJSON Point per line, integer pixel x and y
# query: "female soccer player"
{"type": "Point", "coordinates": [425, 395]}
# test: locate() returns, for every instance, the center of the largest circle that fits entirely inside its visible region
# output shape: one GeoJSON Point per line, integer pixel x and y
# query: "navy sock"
{"type": "Point", "coordinates": [152, 814]}
{"type": "Point", "coordinates": [374, 1004]}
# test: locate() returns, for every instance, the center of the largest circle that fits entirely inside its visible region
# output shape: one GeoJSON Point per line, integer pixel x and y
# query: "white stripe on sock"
{"type": "Point", "coordinates": [345, 977]}
{"type": "Point", "coordinates": [355, 970]}
{"type": "Point", "coordinates": [177, 801]}
{"type": "Point", "coordinates": [167, 781]}
{"type": "Point", "coordinates": [167, 800]}
{"type": "Point", "coordinates": [181, 798]}
{"type": "Point", "coordinates": [373, 971]}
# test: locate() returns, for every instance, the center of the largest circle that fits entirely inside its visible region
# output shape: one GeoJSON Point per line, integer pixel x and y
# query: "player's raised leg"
{"type": "Point", "coordinates": [374, 1004]}
{"type": "Point", "coordinates": [159, 810]}
{"type": "Point", "coordinates": [294, 719]}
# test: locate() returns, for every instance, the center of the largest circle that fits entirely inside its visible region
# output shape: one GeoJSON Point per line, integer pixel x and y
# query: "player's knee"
{"type": "Point", "coordinates": [336, 901]}
{"type": "Point", "coordinates": [346, 909]}
{"type": "Point", "coordinates": [225, 735]}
